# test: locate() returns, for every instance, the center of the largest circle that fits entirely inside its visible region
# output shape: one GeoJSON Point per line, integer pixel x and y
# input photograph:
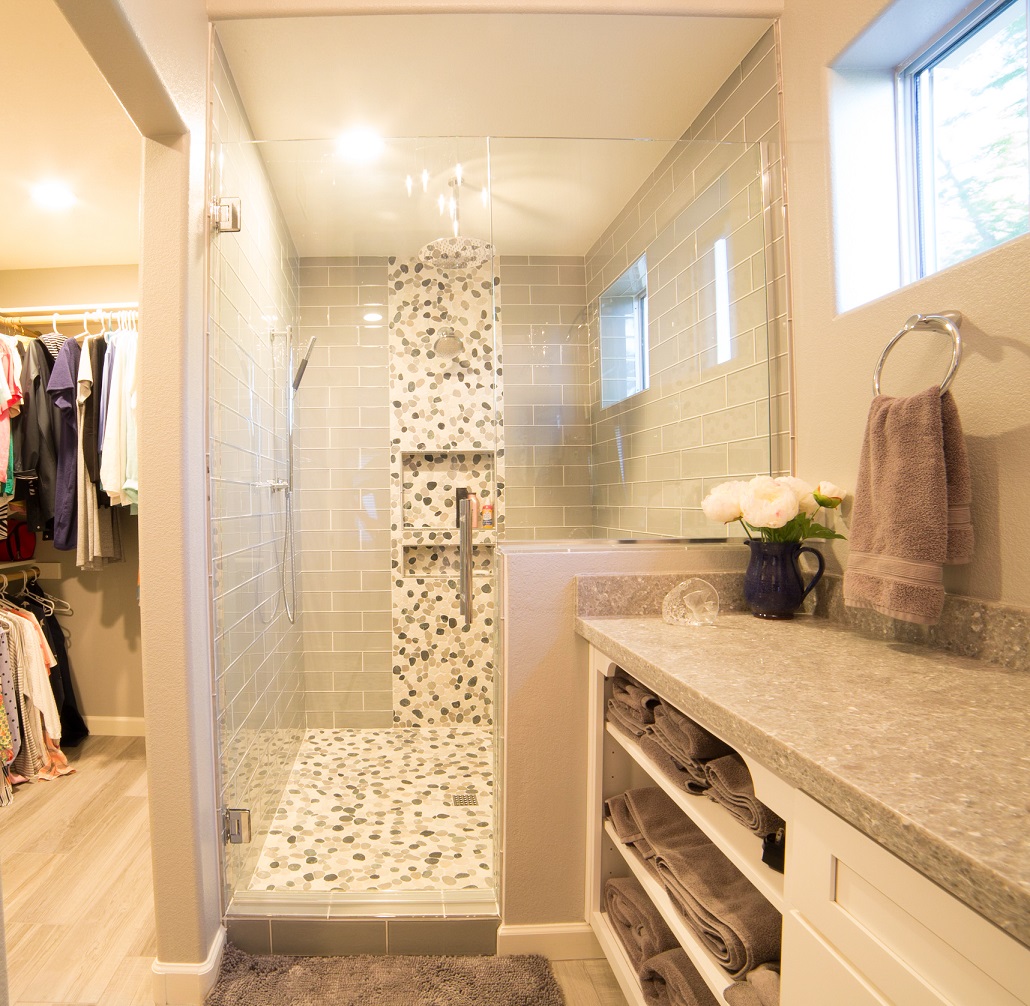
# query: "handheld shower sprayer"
{"type": "Point", "coordinates": [304, 363]}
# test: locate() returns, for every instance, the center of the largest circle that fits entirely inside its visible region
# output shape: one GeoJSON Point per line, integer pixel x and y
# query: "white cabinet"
{"type": "Point", "coordinates": [860, 927]}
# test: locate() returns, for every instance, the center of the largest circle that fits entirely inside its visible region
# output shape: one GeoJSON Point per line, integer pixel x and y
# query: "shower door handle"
{"type": "Point", "coordinates": [465, 559]}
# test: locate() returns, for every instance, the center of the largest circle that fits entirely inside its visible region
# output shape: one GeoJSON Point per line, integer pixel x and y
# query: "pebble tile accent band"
{"type": "Point", "coordinates": [445, 434]}
{"type": "Point", "coordinates": [380, 810]}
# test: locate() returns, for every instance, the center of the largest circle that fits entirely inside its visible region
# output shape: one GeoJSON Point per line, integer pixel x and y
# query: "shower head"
{"type": "Point", "coordinates": [455, 253]}
{"type": "Point", "coordinates": [304, 363]}
{"type": "Point", "coordinates": [447, 343]}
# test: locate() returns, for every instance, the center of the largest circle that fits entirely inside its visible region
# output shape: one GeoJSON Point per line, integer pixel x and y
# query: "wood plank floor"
{"type": "Point", "coordinates": [78, 899]}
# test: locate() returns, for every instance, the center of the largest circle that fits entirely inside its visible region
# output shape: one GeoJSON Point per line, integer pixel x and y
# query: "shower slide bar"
{"type": "Point", "coordinates": [465, 559]}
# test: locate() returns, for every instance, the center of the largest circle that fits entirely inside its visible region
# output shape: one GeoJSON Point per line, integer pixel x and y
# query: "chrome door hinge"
{"type": "Point", "coordinates": [236, 826]}
{"type": "Point", "coordinates": [225, 215]}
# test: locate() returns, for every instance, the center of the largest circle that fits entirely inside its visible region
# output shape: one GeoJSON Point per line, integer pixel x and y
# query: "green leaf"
{"type": "Point", "coordinates": [818, 531]}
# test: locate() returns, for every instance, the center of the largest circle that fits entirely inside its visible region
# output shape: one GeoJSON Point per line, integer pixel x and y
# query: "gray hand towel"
{"type": "Point", "coordinates": [731, 786]}
{"type": "Point", "coordinates": [638, 924]}
{"type": "Point", "coordinates": [762, 988]}
{"type": "Point", "coordinates": [671, 980]}
{"type": "Point", "coordinates": [739, 927]}
{"type": "Point", "coordinates": [911, 513]}
{"type": "Point", "coordinates": [684, 739]}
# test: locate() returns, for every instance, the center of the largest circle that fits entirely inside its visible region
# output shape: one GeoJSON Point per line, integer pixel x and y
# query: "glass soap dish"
{"type": "Point", "coordinates": [692, 602]}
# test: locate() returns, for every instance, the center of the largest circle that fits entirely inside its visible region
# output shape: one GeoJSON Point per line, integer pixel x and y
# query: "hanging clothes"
{"type": "Point", "coordinates": [35, 432]}
{"type": "Point", "coordinates": [119, 465]}
{"type": "Point", "coordinates": [63, 390]}
{"type": "Point", "coordinates": [73, 726]}
{"type": "Point", "coordinates": [98, 539]}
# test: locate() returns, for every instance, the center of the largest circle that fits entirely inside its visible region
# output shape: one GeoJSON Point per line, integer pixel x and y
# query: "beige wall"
{"type": "Point", "coordinates": [155, 58]}
{"type": "Point", "coordinates": [836, 353]}
{"type": "Point", "coordinates": [94, 284]}
{"type": "Point", "coordinates": [545, 714]}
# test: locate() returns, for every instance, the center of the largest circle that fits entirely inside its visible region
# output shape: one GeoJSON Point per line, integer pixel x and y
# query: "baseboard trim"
{"type": "Point", "coordinates": [116, 726]}
{"type": "Point", "coordinates": [565, 941]}
{"type": "Point", "coordinates": [188, 984]}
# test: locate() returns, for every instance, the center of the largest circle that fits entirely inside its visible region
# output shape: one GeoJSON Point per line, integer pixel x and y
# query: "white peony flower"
{"type": "Point", "coordinates": [767, 503]}
{"type": "Point", "coordinates": [829, 495]}
{"type": "Point", "coordinates": [806, 501]}
{"type": "Point", "coordinates": [723, 502]}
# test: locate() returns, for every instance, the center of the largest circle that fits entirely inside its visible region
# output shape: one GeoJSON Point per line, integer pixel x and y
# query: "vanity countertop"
{"type": "Point", "coordinates": [925, 752]}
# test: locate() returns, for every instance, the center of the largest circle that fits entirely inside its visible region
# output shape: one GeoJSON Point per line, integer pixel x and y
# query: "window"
{"type": "Point", "coordinates": [623, 320]}
{"type": "Point", "coordinates": [963, 118]}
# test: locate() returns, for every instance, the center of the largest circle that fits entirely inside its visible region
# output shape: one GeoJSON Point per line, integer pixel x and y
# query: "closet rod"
{"type": "Point", "coordinates": [41, 315]}
{"type": "Point", "coordinates": [47, 570]}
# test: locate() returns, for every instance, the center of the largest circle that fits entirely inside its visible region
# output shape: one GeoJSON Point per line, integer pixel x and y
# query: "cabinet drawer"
{"type": "Point", "coordinates": [910, 940]}
{"type": "Point", "coordinates": [813, 975]}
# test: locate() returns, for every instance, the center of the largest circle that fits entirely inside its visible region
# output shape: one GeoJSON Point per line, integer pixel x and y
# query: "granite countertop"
{"type": "Point", "coordinates": [923, 751]}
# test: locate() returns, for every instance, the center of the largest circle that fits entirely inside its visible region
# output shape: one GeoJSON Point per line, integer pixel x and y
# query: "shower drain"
{"type": "Point", "coordinates": [464, 800]}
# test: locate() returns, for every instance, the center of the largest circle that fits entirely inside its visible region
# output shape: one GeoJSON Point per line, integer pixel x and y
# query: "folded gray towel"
{"type": "Point", "coordinates": [631, 705]}
{"type": "Point", "coordinates": [671, 980]}
{"type": "Point", "coordinates": [731, 786]}
{"type": "Point", "coordinates": [684, 739]}
{"type": "Point", "coordinates": [619, 715]}
{"type": "Point", "coordinates": [626, 827]}
{"type": "Point", "coordinates": [690, 777]}
{"type": "Point", "coordinates": [761, 988]}
{"type": "Point", "coordinates": [638, 924]}
{"type": "Point", "coordinates": [912, 507]}
{"type": "Point", "coordinates": [635, 697]}
{"type": "Point", "coordinates": [739, 927]}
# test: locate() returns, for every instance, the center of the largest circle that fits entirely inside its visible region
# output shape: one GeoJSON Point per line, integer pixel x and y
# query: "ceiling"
{"type": "Point", "coordinates": [59, 119]}
{"type": "Point", "coordinates": [579, 108]}
{"type": "Point", "coordinates": [578, 80]}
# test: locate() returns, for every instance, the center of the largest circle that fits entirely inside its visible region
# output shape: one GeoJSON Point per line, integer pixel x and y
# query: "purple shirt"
{"type": "Point", "coordinates": [63, 389]}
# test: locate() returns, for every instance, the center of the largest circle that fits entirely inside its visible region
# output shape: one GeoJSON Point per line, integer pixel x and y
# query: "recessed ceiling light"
{"type": "Point", "coordinates": [360, 145]}
{"type": "Point", "coordinates": [53, 195]}
{"type": "Point", "coordinates": [373, 316]}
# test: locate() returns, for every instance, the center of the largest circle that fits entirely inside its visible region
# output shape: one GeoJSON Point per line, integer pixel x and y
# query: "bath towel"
{"type": "Point", "coordinates": [671, 980]}
{"type": "Point", "coordinates": [690, 777]}
{"type": "Point", "coordinates": [761, 988]}
{"type": "Point", "coordinates": [631, 705]}
{"type": "Point", "coordinates": [731, 786]}
{"type": "Point", "coordinates": [638, 924]}
{"type": "Point", "coordinates": [734, 921]}
{"type": "Point", "coordinates": [912, 507]}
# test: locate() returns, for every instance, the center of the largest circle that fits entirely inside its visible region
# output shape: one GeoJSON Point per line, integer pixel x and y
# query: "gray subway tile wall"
{"type": "Point", "coordinates": [708, 415]}
{"type": "Point", "coordinates": [546, 347]}
{"type": "Point", "coordinates": [343, 472]}
{"type": "Point", "coordinates": [257, 652]}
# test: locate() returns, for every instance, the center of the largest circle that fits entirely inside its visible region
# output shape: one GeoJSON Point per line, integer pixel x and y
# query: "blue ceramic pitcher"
{"type": "Point", "coordinates": [773, 584]}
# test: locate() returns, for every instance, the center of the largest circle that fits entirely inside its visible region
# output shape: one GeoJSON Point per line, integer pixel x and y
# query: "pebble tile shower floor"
{"type": "Point", "coordinates": [384, 810]}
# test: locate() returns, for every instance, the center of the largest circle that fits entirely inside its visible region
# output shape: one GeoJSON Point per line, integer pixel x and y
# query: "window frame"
{"type": "Point", "coordinates": [642, 343]}
{"type": "Point", "coordinates": [915, 136]}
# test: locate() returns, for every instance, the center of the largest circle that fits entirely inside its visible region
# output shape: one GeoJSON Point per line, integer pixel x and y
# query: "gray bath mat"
{"type": "Point", "coordinates": [516, 980]}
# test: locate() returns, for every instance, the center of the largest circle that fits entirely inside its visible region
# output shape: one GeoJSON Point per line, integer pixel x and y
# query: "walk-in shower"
{"type": "Point", "coordinates": [454, 287]}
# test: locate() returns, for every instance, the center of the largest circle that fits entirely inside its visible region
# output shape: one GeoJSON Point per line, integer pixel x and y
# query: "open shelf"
{"type": "Point", "coordinates": [742, 848]}
{"type": "Point", "coordinates": [446, 535]}
{"type": "Point", "coordinates": [715, 976]}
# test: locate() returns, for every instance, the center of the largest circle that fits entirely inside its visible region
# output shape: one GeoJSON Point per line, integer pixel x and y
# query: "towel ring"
{"type": "Point", "coordinates": [947, 322]}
